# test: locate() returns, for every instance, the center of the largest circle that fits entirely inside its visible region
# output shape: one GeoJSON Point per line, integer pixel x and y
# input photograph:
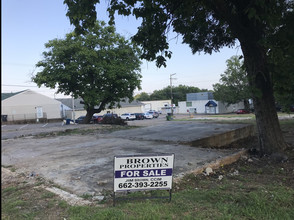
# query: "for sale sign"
{"type": "Point", "coordinates": [143, 172]}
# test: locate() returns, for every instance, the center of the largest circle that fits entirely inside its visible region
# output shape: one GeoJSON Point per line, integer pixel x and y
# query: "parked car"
{"type": "Point", "coordinates": [111, 118]}
{"type": "Point", "coordinates": [290, 109]}
{"type": "Point", "coordinates": [80, 119]}
{"type": "Point", "coordinates": [139, 116]}
{"type": "Point", "coordinates": [147, 115]}
{"type": "Point", "coordinates": [97, 119]}
{"type": "Point", "coordinates": [242, 111]}
{"type": "Point", "coordinates": [128, 116]}
{"type": "Point", "coordinates": [154, 113]}
{"type": "Point", "coordinates": [109, 115]}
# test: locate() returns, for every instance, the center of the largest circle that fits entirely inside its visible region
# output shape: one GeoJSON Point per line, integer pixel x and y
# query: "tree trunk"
{"type": "Point", "coordinates": [89, 115]}
{"type": "Point", "coordinates": [269, 132]}
{"type": "Point", "coordinates": [91, 110]}
{"type": "Point", "coordinates": [246, 104]}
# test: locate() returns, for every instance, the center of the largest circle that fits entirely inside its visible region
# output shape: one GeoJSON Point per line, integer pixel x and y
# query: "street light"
{"type": "Point", "coordinates": [171, 92]}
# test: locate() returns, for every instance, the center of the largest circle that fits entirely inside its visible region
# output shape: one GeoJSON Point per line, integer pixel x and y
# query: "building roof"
{"type": "Point", "coordinates": [8, 95]}
{"type": "Point", "coordinates": [68, 102]}
{"type": "Point", "coordinates": [199, 96]}
{"type": "Point", "coordinates": [131, 104]}
{"type": "Point", "coordinates": [79, 106]}
{"type": "Point", "coordinates": [211, 104]}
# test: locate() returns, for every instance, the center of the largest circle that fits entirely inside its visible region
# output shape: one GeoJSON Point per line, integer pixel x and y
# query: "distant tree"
{"type": "Point", "coordinates": [161, 94]}
{"type": "Point", "coordinates": [143, 96]}
{"type": "Point", "coordinates": [99, 66]}
{"type": "Point", "coordinates": [178, 93]}
{"type": "Point", "coordinates": [284, 90]}
{"type": "Point", "coordinates": [233, 86]}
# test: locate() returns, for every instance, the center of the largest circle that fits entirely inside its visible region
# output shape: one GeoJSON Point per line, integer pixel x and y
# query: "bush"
{"type": "Point", "coordinates": [113, 121]}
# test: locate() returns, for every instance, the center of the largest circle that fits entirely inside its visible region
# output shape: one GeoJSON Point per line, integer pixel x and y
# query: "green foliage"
{"type": "Point", "coordinates": [143, 96]}
{"type": "Point", "coordinates": [194, 20]}
{"type": "Point", "coordinates": [99, 66]}
{"type": "Point", "coordinates": [113, 121]}
{"type": "Point", "coordinates": [233, 86]}
{"type": "Point", "coordinates": [178, 93]}
{"type": "Point", "coordinates": [82, 19]}
{"type": "Point", "coordinates": [281, 58]}
{"type": "Point", "coordinates": [48, 195]}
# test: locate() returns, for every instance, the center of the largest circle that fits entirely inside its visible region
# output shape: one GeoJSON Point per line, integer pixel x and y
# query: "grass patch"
{"type": "Point", "coordinates": [287, 123]}
{"type": "Point", "coordinates": [23, 201]}
{"type": "Point", "coordinates": [48, 195]}
{"type": "Point", "coordinates": [10, 167]}
{"type": "Point", "coordinates": [6, 166]}
{"type": "Point", "coordinates": [252, 194]}
{"type": "Point", "coordinates": [272, 202]}
{"type": "Point", "coordinates": [100, 129]}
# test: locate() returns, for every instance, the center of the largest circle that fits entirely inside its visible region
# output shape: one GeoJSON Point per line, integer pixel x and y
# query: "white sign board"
{"type": "Point", "coordinates": [39, 112]}
{"type": "Point", "coordinates": [143, 172]}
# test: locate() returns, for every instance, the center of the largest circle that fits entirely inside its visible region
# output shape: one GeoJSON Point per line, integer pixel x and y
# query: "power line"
{"type": "Point", "coordinates": [18, 64]}
{"type": "Point", "coordinates": [40, 89]}
{"type": "Point", "coordinates": [26, 86]}
{"type": "Point", "coordinates": [20, 86]}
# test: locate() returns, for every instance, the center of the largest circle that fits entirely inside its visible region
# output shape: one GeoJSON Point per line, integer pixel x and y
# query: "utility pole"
{"type": "Point", "coordinates": [73, 109]}
{"type": "Point", "coordinates": [171, 92]}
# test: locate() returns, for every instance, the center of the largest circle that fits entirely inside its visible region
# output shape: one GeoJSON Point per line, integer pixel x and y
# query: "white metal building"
{"type": "Point", "coordinates": [207, 107]}
{"type": "Point", "coordinates": [77, 109]}
{"type": "Point", "coordinates": [204, 103]}
{"type": "Point", "coordinates": [29, 105]}
{"type": "Point", "coordinates": [157, 105]}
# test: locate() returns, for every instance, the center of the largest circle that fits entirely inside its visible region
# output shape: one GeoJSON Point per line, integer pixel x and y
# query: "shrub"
{"type": "Point", "coordinates": [113, 121]}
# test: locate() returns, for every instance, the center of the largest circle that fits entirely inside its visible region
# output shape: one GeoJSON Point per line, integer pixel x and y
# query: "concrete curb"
{"type": "Point", "coordinates": [71, 199]}
{"type": "Point", "coordinates": [214, 164]}
{"type": "Point", "coordinates": [226, 138]}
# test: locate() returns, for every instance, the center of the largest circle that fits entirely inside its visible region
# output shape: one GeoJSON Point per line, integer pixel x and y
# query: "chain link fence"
{"type": "Point", "coordinates": [23, 118]}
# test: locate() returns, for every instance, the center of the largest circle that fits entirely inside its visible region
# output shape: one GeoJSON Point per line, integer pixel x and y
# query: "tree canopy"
{"type": "Point", "coordinates": [143, 96]}
{"type": "Point", "coordinates": [233, 86]}
{"type": "Point", "coordinates": [178, 93]}
{"type": "Point", "coordinates": [263, 28]}
{"type": "Point", "coordinates": [281, 56]}
{"type": "Point", "coordinates": [99, 66]}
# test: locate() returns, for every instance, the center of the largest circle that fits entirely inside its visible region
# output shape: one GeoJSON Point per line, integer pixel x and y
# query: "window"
{"type": "Point", "coordinates": [188, 104]}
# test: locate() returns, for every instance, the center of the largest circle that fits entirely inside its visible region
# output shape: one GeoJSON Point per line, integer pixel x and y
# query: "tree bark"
{"type": "Point", "coordinates": [91, 111]}
{"type": "Point", "coordinates": [251, 32]}
{"type": "Point", "coordinates": [246, 104]}
{"type": "Point", "coordinates": [89, 115]}
{"type": "Point", "coordinates": [268, 127]}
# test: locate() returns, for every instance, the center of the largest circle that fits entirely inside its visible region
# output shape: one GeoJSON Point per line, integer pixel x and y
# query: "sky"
{"type": "Point", "coordinates": [26, 25]}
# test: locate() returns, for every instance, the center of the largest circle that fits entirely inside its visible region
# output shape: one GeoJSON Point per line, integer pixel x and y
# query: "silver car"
{"type": "Point", "coordinates": [147, 115]}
